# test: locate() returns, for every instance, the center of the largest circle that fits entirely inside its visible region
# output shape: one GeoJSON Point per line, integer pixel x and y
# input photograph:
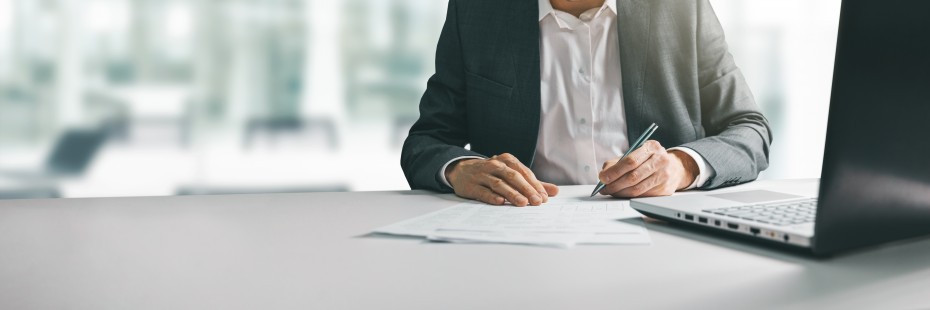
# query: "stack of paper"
{"type": "Point", "coordinates": [558, 223]}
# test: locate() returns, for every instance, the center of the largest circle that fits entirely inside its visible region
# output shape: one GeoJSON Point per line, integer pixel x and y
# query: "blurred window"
{"type": "Point", "coordinates": [303, 95]}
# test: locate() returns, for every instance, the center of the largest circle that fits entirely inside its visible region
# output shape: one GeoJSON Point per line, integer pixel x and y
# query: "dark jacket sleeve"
{"type": "Point", "coordinates": [738, 135]}
{"type": "Point", "coordinates": [441, 132]}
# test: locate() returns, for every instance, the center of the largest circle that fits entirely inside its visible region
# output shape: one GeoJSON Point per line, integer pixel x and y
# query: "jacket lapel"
{"type": "Point", "coordinates": [633, 32]}
{"type": "Point", "coordinates": [525, 38]}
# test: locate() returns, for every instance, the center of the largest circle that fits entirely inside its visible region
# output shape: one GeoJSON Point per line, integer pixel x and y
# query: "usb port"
{"type": "Point", "coordinates": [689, 217]}
{"type": "Point", "coordinates": [754, 231]}
{"type": "Point", "coordinates": [733, 226]}
{"type": "Point", "coordinates": [717, 222]}
{"type": "Point", "coordinates": [702, 220]}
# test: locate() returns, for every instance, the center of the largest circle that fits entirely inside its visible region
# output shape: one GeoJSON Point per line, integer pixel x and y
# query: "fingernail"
{"type": "Point", "coordinates": [536, 200]}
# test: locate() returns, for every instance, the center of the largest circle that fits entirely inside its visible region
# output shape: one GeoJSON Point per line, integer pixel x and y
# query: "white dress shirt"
{"type": "Point", "coordinates": [582, 120]}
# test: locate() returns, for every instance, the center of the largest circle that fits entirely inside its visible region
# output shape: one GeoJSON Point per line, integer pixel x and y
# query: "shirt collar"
{"type": "Point", "coordinates": [545, 7]}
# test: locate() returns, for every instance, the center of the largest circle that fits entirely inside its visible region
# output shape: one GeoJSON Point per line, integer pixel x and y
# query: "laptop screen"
{"type": "Point", "coordinates": [876, 172]}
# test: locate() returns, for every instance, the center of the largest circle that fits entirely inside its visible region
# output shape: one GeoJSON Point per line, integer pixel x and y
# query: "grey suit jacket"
{"type": "Point", "coordinates": [676, 72]}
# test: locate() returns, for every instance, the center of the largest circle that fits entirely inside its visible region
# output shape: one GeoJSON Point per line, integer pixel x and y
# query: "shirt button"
{"type": "Point", "coordinates": [584, 121]}
{"type": "Point", "coordinates": [587, 168]}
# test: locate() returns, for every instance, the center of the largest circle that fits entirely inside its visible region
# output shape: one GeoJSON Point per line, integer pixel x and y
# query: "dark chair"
{"type": "Point", "coordinates": [71, 155]}
{"type": "Point", "coordinates": [74, 152]}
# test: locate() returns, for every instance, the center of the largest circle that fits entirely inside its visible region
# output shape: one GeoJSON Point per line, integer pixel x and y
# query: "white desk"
{"type": "Point", "coordinates": [312, 251]}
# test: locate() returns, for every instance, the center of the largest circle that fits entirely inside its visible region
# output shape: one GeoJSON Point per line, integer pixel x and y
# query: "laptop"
{"type": "Point", "coordinates": [875, 181]}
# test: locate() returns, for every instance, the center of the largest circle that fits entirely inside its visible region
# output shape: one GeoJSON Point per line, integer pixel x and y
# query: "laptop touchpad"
{"type": "Point", "coordinates": [755, 196]}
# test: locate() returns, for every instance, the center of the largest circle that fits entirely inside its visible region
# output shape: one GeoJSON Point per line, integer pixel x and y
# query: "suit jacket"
{"type": "Point", "coordinates": [676, 72]}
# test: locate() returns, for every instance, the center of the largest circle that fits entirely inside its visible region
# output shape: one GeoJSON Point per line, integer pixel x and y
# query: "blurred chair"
{"type": "Point", "coordinates": [71, 155]}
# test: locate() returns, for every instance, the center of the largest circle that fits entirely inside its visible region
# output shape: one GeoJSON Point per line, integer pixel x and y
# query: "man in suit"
{"type": "Point", "coordinates": [547, 91]}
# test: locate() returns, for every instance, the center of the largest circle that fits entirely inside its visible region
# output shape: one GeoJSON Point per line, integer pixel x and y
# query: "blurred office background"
{"type": "Point", "coordinates": [168, 97]}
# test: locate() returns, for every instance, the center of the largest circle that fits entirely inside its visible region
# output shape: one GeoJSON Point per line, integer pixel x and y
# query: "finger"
{"type": "Point", "coordinates": [528, 174]}
{"type": "Point", "coordinates": [634, 177]}
{"type": "Point", "coordinates": [504, 189]}
{"type": "Point", "coordinates": [517, 182]}
{"type": "Point", "coordinates": [487, 196]}
{"type": "Point", "coordinates": [641, 188]}
{"type": "Point", "coordinates": [630, 162]}
{"type": "Point", "coordinates": [551, 189]}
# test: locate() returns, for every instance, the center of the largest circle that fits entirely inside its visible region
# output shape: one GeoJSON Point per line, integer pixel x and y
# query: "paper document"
{"type": "Point", "coordinates": [562, 222]}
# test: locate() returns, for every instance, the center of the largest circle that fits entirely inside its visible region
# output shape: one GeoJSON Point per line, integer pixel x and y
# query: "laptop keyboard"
{"type": "Point", "coordinates": [781, 213]}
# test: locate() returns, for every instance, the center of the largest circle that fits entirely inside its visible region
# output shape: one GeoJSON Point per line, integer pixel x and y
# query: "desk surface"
{"type": "Point", "coordinates": [313, 251]}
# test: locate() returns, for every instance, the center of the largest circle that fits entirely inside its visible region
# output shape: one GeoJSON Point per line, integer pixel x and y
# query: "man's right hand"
{"type": "Point", "coordinates": [499, 179]}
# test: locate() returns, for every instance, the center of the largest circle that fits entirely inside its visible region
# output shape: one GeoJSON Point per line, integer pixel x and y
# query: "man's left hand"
{"type": "Point", "coordinates": [648, 172]}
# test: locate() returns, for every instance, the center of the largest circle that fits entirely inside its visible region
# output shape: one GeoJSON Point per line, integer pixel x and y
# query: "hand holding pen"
{"type": "Point", "coordinates": [647, 169]}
